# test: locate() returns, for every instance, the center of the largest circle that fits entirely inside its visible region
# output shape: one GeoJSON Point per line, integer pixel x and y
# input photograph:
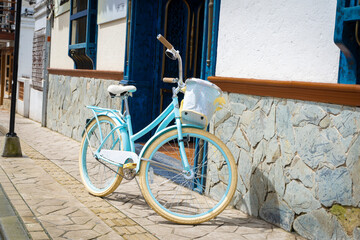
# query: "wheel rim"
{"type": "Point", "coordinates": [185, 198]}
{"type": "Point", "coordinates": [100, 175]}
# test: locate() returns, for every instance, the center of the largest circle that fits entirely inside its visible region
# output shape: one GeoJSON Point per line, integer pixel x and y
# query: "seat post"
{"type": "Point", "coordinates": [126, 105]}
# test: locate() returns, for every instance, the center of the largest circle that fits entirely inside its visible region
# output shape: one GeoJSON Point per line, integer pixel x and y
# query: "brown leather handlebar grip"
{"type": "Point", "coordinates": [169, 80]}
{"type": "Point", "coordinates": [164, 41]}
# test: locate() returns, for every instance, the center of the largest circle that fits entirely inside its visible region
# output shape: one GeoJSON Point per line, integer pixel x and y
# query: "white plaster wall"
{"type": "Point", "coordinates": [278, 40]}
{"type": "Point", "coordinates": [22, 106]}
{"type": "Point", "coordinates": [25, 47]}
{"type": "Point", "coordinates": [111, 45]}
{"type": "Point", "coordinates": [60, 43]}
{"type": "Point", "coordinates": [40, 15]}
{"type": "Point", "coordinates": [35, 108]}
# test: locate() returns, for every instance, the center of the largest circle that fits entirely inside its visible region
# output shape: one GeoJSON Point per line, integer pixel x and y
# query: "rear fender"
{"type": "Point", "coordinates": [122, 128]}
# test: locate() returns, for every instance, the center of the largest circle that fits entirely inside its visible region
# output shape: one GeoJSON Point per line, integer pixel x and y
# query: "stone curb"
{"type": "Point", "coordinates": [11, 224]}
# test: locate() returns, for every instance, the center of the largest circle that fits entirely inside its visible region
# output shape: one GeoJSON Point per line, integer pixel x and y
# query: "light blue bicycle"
{"type": "Point", "coordinates": [186, 174]}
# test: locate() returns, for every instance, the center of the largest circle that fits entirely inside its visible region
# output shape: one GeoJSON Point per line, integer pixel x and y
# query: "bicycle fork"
{"type": "Point", "coordinates": [188, 172]}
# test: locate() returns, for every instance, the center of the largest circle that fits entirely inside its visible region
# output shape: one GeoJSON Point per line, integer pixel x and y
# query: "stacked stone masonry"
{"type": "Point", "coordinates": [295, 160]}
{"type": "Point", "coordinates": [67, 101]}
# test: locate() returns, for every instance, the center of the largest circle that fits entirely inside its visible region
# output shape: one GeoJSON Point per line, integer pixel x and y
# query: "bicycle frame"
{"type": "Point", "coordinates": [123, 122]}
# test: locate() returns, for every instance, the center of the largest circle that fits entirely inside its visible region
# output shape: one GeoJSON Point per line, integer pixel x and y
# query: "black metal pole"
{"type": "Point", "coordinates": [11, 132]}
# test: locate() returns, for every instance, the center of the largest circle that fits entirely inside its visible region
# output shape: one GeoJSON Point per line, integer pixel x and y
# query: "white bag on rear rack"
{"type": "Point", "coordinates": [198, 105]}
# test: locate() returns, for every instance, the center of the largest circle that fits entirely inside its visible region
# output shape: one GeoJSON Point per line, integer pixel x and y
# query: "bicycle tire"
{"type": "Point", "coordinates": [213, 188]}
{"type": "Point", "coordinates": [99, 177]}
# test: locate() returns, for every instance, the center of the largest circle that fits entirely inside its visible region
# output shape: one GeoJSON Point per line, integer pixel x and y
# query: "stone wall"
{"type": "Point", "coordinates": [67, 100]}
{"type": "Point", "coordinates": [295, 160]}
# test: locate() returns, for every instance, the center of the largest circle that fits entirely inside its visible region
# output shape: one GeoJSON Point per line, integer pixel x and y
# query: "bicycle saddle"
{"type": "Point", "coordinates": [119, 89]}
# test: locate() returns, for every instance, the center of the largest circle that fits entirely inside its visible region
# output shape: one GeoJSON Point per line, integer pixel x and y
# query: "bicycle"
{"type": "Point", "coordinates": [186, 174]}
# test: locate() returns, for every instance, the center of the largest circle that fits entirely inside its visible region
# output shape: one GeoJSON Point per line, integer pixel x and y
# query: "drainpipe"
{"type": "Point", "coordinates": [46, 62]}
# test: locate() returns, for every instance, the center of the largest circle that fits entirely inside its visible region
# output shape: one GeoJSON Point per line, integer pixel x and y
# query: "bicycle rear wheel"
{"type": "Point", "coordinates": [188, 199]}
{"type": "Point", "coordinates": [99, 177]}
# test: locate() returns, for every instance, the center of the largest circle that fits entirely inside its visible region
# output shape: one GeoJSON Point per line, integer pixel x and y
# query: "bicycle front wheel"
{"type": "Point", "coordinates": [99, 177]}
{"type": "Point", "coordinates": [178, 196]}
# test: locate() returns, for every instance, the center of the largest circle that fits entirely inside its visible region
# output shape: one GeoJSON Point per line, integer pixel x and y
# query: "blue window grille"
{"type": "Point", "coordinates": [83, 33]}
{"type": "Point", "coordinates": [347, 38]}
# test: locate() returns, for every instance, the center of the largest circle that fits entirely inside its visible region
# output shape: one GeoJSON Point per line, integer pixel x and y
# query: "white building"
{"type": "Point", "coordinates": [291, 126]}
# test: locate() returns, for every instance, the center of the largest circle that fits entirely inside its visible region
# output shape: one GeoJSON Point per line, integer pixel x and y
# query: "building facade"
{"type": "Point", "coordinates": [290, 122]}
{"type": "Point", "coordinates": [7, 36]}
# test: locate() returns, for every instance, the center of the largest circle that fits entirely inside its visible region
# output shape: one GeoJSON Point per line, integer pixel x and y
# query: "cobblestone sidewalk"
{"type": "Point", "coordinates": [45, 188]}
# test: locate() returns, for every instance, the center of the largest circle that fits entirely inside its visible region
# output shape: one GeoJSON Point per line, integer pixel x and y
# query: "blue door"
{"type": "Point", "coordinates": [191, 26]}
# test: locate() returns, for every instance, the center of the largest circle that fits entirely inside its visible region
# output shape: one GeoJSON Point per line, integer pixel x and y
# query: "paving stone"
{"type": "Point", "coordinates": [110, 236]}
{"type": "Point", "coordinates": [121, 230]}
{"type": "Point", "coordinates": [252, 229]}
{"type": "Point", "coordinates": [255, 236]}
{"type": "Point", "coordinates": [195, 232]}
{"type": "Point", "coordinates": [82, 234]}
{"type": "Point", "coordinates": [33, 227]}
{"type": "Point", "coordinates": [281, 235]}
{"type": "Point", "coordinates": [222, 236]}
{"type": "Point", "coordinates": [48, 209]}
{"type": "Point", "coordinates": [162, 230]}
{"type": "Point", "coordinates": [39, 236]}
{"type": "Point", "coordinates": [143, 221]}
{"type": "Point", "coordinates": [226, 228]}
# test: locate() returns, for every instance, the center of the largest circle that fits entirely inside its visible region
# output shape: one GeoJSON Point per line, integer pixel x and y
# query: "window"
{"type": "Point", "coordinates": [83, 33]}
{"type": "Point", "coordinates": [347, 38]}
{"type": "Point", "coordinates": [38, 59]}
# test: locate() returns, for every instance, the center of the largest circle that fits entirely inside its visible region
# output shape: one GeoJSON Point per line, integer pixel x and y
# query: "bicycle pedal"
{"type": "Point", "coordinates": [129, 165]}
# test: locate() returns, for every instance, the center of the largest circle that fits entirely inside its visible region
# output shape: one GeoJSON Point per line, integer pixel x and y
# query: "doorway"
{"type": "Point", "coordinates": [191, 27]}
{"type": "Point", "coordinates": [182, 24]}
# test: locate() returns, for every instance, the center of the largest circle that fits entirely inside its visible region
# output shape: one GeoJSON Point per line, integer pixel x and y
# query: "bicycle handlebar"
{"type": "Point", "coordinates": [177, 56]}
{"type": "Point", "coordinates": [165, 42]}
{"type": "Point", "coordinates": [170, 80]}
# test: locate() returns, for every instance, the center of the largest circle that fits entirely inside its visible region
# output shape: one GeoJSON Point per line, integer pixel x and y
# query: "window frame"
{"type": "Point", "coordinates": [90, 45]}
